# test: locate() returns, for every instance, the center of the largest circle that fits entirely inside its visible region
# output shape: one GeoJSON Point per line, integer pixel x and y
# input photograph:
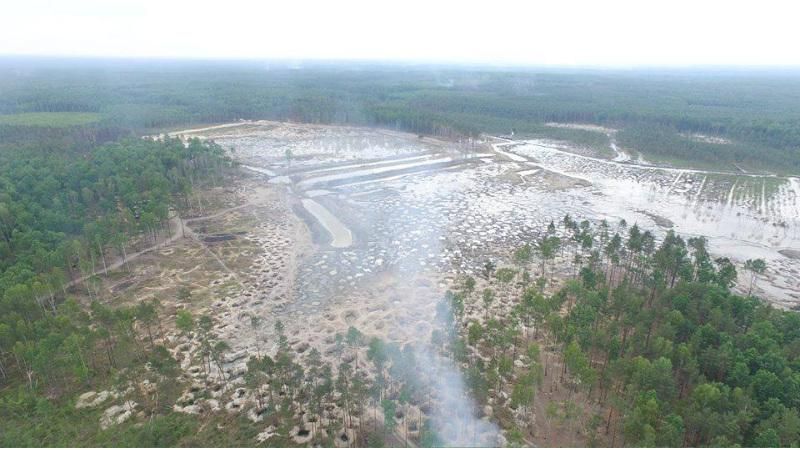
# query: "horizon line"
{"type": "Point", "coordinates": [401, 62]}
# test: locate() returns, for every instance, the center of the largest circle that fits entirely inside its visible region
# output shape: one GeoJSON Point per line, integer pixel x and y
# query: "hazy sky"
{"type": "Point", "coordinates": [607, 32]}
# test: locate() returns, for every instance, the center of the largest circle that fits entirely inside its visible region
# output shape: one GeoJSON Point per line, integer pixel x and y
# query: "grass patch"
{"type": "Point", "coordinates": [49, 119]}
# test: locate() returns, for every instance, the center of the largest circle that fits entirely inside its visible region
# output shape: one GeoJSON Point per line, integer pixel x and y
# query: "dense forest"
{"type": "Point", "coordinates": [647, 343]}
{"type": "Point", "coordinates": [69, 210]}
{"type": "Point", "coordinates": [753, 114]}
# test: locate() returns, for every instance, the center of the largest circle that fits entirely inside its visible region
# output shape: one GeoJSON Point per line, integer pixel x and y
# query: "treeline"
{"type": "Point", "coordinates": [65, 216]}
{"type": "Point", "coordinates": [668, 143]}
{"type": "Point", "coordinates": [758, 111]}
{"type": "Point", "coordinates": [28, 139]}
{"type": "Point", "coordinates": [648, 333]}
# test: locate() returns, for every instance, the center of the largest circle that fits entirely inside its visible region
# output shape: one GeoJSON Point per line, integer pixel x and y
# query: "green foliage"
{"type": "Point", "coordinates": [523, 255]}
{"type": "Point", "coordinates": [755, 267]}
{"type": "Point", "coordinates": [505, 275]}
{"type": "Point", "coordinates": [469, 285]}
{"type": "Point", "coordinates": [660, 341]}
{"type": "Point", "coordinates": [375, 440]}
{"type": "Point", "coordinates": [698, 370]}
{"type": "Point", "coordinates": [488, 298]}
{"type": "Point", "coordinates": [162, 431]}
{"type": "Point", "coordinates": [67, 204]}
{"type": "Point", "coordinates": [474, 333]}
{"type": "Point", "coordinates": [353, 336]}
{"type": "Point", "coordinates": [578, 364]}
{"type": "Point", "coordinates": [389, 410]}
{"type": "Point", "coordinates": [377, 352]}
{"type": "Point", "coordinates": [49, 119]}
{"type": "Point", "coordinates": [184, 321]}
{"type": "Point", "coordinates": [523, 393]}
{"type": "Point", "coordinates": [767, 439]}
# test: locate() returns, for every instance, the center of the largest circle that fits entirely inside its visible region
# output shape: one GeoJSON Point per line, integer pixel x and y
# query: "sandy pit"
{"type": "Point", "coordinates": [329, 227]}
{"type": "Point", "coordinates": [390, 207]}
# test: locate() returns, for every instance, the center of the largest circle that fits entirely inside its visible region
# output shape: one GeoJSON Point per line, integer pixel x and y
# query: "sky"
{"type": "Point", "coordinates": [504, 32]}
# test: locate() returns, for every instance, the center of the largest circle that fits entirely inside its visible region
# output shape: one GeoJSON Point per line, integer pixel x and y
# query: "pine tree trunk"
{"type": "Point", "coordinates": [103, 254]}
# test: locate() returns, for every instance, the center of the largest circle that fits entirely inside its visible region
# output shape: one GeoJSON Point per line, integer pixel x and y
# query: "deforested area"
{"type": "Point", "coordinates": [245, 249]}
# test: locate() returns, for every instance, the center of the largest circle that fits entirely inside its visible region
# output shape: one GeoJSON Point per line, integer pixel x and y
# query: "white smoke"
{"type": "Point", "coordinates": [455, 413]}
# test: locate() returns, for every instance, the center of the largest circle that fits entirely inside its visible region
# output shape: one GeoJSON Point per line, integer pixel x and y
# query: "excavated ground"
{"type": "Point", "coordinates": [329, 227]}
